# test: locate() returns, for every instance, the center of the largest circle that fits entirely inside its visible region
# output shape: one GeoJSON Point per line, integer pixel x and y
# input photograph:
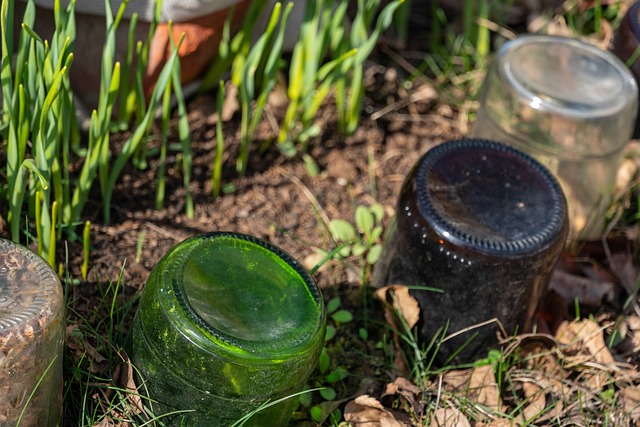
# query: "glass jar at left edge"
{"type": "Point", "coordinates": [32, 325]}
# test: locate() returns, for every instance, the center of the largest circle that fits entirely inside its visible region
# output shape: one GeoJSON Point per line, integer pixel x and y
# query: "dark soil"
{"type": "Point", "coordinates": [274, 201]}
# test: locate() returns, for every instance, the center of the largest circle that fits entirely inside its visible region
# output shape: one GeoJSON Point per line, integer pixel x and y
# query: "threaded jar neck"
{"type": "Point", "coordinates": [490, 198]}
{"type": "Point", "coordinates": [245, 294]}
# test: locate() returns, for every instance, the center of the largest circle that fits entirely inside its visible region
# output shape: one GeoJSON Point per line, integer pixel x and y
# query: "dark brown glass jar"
{"type": "Point", "coordinates": [626, 45]}
{"type": "Point", "coordinates": [484, 223]}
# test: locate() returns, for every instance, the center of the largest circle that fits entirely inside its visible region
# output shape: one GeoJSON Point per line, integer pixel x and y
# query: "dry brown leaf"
{"type": "Point", "coordinates": [405, 388]}
{"type": "Point", "coordinates": [126, 381]}
{"type": "Point", "coordinates": [479, 385]}
{"type": "Point", "coordinates": [539, 356]}
{"type": "Point", "coordinates": [449, 417]}
{"type": "Point", "coordinates": [589, 292]}
{"type": "Point", "coordinates": [83, 349]}
{"type": "Point", "coordinates": [585, 337]}
{"type": "Point", "coordinates": [367, 411]}
{"type": "Point", "coordinates": [108, 422]}
{"type": "Point", "coordinates": [535, 396]}
{"type": "Point", "coordinates": [631, 343]}
{"type": "Point", "coordinates": [629, 399]}
{"type": "Point", "coordinates": [483, 385]}
{"type": "Point", "coordinates": [400, 299]}
{"type": "Point", "coordinates": [401, 385]}
{"type": "Point", "coordinates": [586, 346]}
{"type": "Point", "coordinates": [458, 379]}
{"type": "Point", "coordinates": [548, 383]}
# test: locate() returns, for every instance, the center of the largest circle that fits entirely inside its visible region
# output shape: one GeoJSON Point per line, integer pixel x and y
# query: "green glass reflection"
{"type": "Point", "coordinates": [248, 293]}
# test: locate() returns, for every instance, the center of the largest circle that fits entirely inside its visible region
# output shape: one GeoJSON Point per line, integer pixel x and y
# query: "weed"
{"type": "Point", "coordinates": [362, 241]}
{"type": "Point", "coordinates": [328, 373]}
{"type": "Point", "coordinates": [41, 132]}
{"type": "Point", "coordinates": [216, 177]}
{"type": "Point", "coordinates": [259, 71]}
{"type": "Point", "coordinates": [349, 86]}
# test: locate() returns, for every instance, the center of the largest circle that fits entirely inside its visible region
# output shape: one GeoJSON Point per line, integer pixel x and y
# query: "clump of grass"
{"type": "Point", "coordinates": [37, 113]}
{"type": "Point", "coordinates": [312, 78]}
{"type": "Point", "coordinates": [258, 78]}
{"type": "Point", "coordinates": [42, 135]}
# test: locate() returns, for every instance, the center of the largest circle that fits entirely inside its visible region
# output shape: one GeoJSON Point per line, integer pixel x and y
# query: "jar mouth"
{"type": "Point", "coordinates": [245, 294]}
{"type": "Point", "coordinates": [489, 197]}
{"type": "Point", "coordinates": [30, 291]}
{"type": "Point", "coordinates": [567, 77]}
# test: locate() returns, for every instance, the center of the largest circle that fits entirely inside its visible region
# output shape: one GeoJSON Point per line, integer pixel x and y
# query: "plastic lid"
{"type": "Point", "coordinates": [247, 293]}
{"type": "Point", "coordinates": [30, 291]}
{"type": "Point", "coordinates": [567, 76]}
{"type": "Point", "coordinates": [489, 197]}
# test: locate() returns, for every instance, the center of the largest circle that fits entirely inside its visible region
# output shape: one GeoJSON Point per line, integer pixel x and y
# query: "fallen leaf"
{"type": "Point", "coordinates": [631, 342]}
{"type": "Point", "coordinates": [74, 340]}
{"type": "Point", "coordinates": [585, 345]}
{"type": "Point", "coordinates": [405, 388]}
{"type": "Point", "coordinates": [585, 337]}
{"type": "Point", "coordinates": [536, 398]}
{"type": "Point", "coordinates": [106, 422]}
{"type": "Point", "coordinates": [589, 292]}
{"type": "Point", "coordinates": [449, 417]}
{"type": "Point", "coordinates": [458, 379]}
{"type": "Point", "coordinates": [125, 380]}
{"type": "Point", "coordinates": [398, 297]}
{"type": "Point", "coordinates": [401, 386]}
{"type": "Point", "coordinates": [479, 385]}
{"type": "Point", "coordinates": [367, 411]}
{"type": "Point", "coordinates": [483, 385]}
{"type": "Point", "coordinates": [398, 301]}
{"type": "Point", "coordinates": [629, 399]}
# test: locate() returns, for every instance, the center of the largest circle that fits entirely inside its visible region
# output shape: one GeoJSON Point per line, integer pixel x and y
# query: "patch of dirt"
{"type": "Point", "coordinates": [274, 201]}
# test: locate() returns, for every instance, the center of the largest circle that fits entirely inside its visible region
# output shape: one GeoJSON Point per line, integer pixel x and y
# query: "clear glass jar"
{"type": "Point", "coordinates": [227, 322]}
{"type": "Point", "coordinates": [32, 325]}
{"type": "Point", "coordinates": [570, 105]}
{"type": "Point", "coordinates": [485, 224]}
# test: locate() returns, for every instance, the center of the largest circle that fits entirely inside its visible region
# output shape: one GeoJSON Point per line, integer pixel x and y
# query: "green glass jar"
{"type": "Point", "coordinates": [227, 322]}
{"type": "Point", "coordinates": [32, 324]}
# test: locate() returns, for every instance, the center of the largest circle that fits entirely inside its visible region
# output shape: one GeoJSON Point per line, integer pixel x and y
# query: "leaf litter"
{"type": "Point", "coordinates": [580, 367]}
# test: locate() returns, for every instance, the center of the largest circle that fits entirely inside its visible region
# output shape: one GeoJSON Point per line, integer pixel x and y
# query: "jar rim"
{"type": "Point", "coordinates": [216, 336]}
{"type": "Point", "coordinates": [452, 231]}
{"type": "Point", "coordinates": [509, 61]}
{"type": "Point", "coordinates": [40, 302]}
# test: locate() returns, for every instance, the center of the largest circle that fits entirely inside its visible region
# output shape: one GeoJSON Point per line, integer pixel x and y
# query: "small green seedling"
{"type": "Point", "coordinates": [364, 238]}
